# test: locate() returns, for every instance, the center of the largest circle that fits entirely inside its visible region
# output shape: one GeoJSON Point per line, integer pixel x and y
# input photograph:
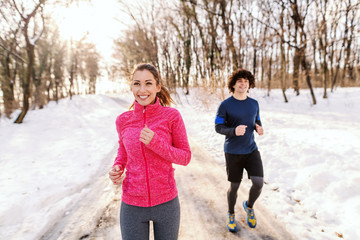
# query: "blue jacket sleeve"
{"type": "Point", "coordinates": [220, 122]}
{"type": "Point", "coordinates": [257, 120]}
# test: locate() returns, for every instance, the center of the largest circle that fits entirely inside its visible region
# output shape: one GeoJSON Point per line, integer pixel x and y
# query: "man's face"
{"type": "Point", "coordinates": [241, 85]}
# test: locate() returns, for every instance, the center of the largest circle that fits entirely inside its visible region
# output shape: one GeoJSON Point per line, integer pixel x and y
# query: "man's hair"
{"type": "Point", "coordinates": [240, 73]}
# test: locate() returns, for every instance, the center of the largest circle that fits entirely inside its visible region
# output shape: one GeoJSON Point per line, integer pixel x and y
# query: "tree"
{"type": "Point", "coordinates": [184, 32]}
{"type": "Point", "coordinates": [322, 7]}
{"type": "Point", "coordinates": [30, 49]}
{"type": "Point", "coordinates": [282, 52]}
{"type": "Point", "coordinates": [208, 39]}
{"type": "Point", "coordinates": [8, 56]}
{"type": "Point", "coordinates": [300, 48]}
{"type": "Point", "coordinates": [92, 66]}
{"type": "Point", "coordinates": [228, 26]}
{"type": "Point", "coordinates": [348, 38]}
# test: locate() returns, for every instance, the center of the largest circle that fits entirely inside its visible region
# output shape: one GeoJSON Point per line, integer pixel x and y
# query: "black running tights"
{"type": "Point", "coordinates": [254, 193]}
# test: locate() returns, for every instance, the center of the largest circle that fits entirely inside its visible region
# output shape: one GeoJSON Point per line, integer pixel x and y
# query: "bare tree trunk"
{"type": "Point", "coordinates": [226, 22]}
{"type": "Point", "coordinates": [323, 46]}
{"type": "Point", "coordinates": [73, 70]}
{"type": "Point", "coordinates": [187, 58]}
{"type": "Point", "coordinates": [337, 67]}
{"type": "Point", "coordinates": [26, 85]}
{"type": "Point", "coordinates": [306, 69]}
{"type": "Point", "coordinates": [269, 75]}
{"type": "Point", "coordinates": [296, 71]}
{"type": "Point", "coordinates": [185, 37]}
{"type": "Point", "coordinates": [282, 71]}
{"type": "Point", "coordinates": [332, 53]}
{"type": "Point", "coordinates": [57, 90]}
{"type": "Point", "coordinates": [348, 39]}
{"type": "Point", "coordinates": [7, 86]}
{"type": "Point", "coordinates": [262, 68]}
{"type": "Point", "coordinates": [40, 98]}
{"type": "Point", "coordinates": [30, 49]}
{"type": "Point", "coordinates": [254, 61]}
{"type": "Point", "coordinates": [299, 21]}
{"type": "Point", "coordinates": [207, 50]}
{"type": "Point", "coordinates": [283, 56]}
{"type": "Point", "coordinates": [316, 71]}
{"type": "Point", "coordinates": [215, 50]}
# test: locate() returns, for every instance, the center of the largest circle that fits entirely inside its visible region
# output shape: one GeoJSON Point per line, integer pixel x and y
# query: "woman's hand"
{"type": "Point", "coordinates": [146, 135]}
{"type": "Point", "coordinates": [115, 174]}
{"type": "Point", "coordinates": [259, 129]}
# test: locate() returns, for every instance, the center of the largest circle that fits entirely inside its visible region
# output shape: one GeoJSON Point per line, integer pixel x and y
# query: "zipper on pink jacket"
{"type": "Point", "coordinates": [146, 163]}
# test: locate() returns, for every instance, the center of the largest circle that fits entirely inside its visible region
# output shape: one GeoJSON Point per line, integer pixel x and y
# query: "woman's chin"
{"type": "Point", "coordinates": [144, 102]}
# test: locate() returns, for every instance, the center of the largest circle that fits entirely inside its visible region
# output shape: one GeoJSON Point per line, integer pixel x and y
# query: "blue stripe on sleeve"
{"type": "Point", "coordinates": [219, 120]}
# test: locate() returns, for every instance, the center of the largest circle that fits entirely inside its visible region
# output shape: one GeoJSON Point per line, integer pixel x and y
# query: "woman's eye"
{"type": "Point", "coordinates": [148, 83]}
{"type": "Point", "coordinates": [136, 84]}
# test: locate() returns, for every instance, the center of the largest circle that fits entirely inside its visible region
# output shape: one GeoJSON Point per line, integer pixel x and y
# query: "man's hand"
{"type": "Point", "coordinates": [240, 130]}
{"type": "Point", "coordinates": [259, 129]}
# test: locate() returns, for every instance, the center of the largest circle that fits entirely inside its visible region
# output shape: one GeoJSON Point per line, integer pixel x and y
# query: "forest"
{"type": "Point", "coordinates": [287, 44]}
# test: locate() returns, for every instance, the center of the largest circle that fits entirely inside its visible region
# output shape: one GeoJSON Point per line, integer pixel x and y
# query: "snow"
{"type": "Point", "coordinates": [48, 161]}
{"type": "Point", "coordinates": [310, 154]}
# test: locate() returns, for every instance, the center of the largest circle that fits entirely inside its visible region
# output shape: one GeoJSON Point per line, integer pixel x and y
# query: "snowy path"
{"type": "Point", "coordinates": [202, 189]}
{"type": "Point", "coordinates": [90, 213]}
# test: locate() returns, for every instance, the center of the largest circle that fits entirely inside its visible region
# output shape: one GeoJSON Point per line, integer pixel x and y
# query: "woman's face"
{"type": "Point", "coordinates": [144, 87]}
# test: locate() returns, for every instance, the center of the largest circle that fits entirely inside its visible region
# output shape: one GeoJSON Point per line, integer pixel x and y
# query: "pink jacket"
{"type": "Point", "coordinates": [149, 177]}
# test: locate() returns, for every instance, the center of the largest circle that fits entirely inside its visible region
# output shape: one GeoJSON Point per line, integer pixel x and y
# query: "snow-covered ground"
{"type": "Point", "coordinates": [310, 154]}
{"type": "Point", "coordinates": [47, 162]}
{"type": "Point", "coordinates": [311, 157]}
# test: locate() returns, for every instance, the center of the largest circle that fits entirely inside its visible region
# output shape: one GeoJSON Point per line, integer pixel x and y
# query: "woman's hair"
{"type": "Point", "coordinates": [240, 73]}
{"type": "Point", "coordinates": [164, 94]}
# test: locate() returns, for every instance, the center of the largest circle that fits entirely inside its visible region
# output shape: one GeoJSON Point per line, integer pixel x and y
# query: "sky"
{"type": "Point", "coordinates": [102, 20]}
{"type": "Point", "coordinates": [310, 155]}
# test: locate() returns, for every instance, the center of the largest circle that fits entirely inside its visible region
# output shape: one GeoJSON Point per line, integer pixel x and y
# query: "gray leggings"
{"type": "Point", "coordinates": [134, 221]}
{"type": "Point", "coordinates": [254, 193]}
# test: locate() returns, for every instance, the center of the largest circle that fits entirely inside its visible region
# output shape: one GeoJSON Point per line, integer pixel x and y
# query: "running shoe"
{"type": "Point", "coordinates": [251, 219]}
{"type": "Point", "coordinates": [231, 224]}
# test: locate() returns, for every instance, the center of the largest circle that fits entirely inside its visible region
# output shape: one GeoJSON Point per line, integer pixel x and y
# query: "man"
{"type": "Point", "coordinates": [237, 118]}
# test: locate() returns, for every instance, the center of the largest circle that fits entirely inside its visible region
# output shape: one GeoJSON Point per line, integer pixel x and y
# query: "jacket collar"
{"type": "Point", "coordinates": [151, 108]}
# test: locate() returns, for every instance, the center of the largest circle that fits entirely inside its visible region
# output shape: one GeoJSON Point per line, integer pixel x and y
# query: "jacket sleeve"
{"type": "Point", "coordinates": [223, 129]}
{"type": "Point", "coordinates": [220, 122]}
{"type": "Point", "coordinates": [179, 151]}
{"type": "Point", "coordinates": [121, 157]}
{"type": "Point", "coordinates": [257, 120]}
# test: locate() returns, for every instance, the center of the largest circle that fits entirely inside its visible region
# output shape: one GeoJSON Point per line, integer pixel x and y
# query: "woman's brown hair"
{"type": "Point", "coordinates": [240, 73]}
{"type": "Point", "coordinates": [164, 94]}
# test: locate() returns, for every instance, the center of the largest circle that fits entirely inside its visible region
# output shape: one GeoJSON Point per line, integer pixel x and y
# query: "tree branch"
{"type": "Point", "coordinates": [12, 53]}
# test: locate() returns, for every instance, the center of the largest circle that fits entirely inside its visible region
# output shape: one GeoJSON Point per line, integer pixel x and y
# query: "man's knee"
{"type": "Point", "coordinates": [257, 182]}
{"type": "Point", "coordinates": [233, 187]}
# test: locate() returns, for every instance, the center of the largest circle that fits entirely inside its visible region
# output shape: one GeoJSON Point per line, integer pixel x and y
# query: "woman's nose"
{"type": "Point", "coordinates": [142, 88]}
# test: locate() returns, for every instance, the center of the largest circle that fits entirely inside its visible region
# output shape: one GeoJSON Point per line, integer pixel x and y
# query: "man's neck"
{"type": "Point", "coordinates": [240, 96]}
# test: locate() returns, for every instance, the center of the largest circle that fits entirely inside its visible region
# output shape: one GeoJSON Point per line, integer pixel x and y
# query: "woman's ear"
{"type": "Point", "coordinates": [158, 87]}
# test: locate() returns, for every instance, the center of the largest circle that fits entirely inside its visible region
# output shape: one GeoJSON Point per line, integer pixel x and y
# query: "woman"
{"type": "Point", "coordinates": [152, 137]}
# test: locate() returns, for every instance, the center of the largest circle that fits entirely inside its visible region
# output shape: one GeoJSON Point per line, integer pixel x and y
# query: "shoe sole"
{"type": "Point", "coordinates": [232, 230]}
